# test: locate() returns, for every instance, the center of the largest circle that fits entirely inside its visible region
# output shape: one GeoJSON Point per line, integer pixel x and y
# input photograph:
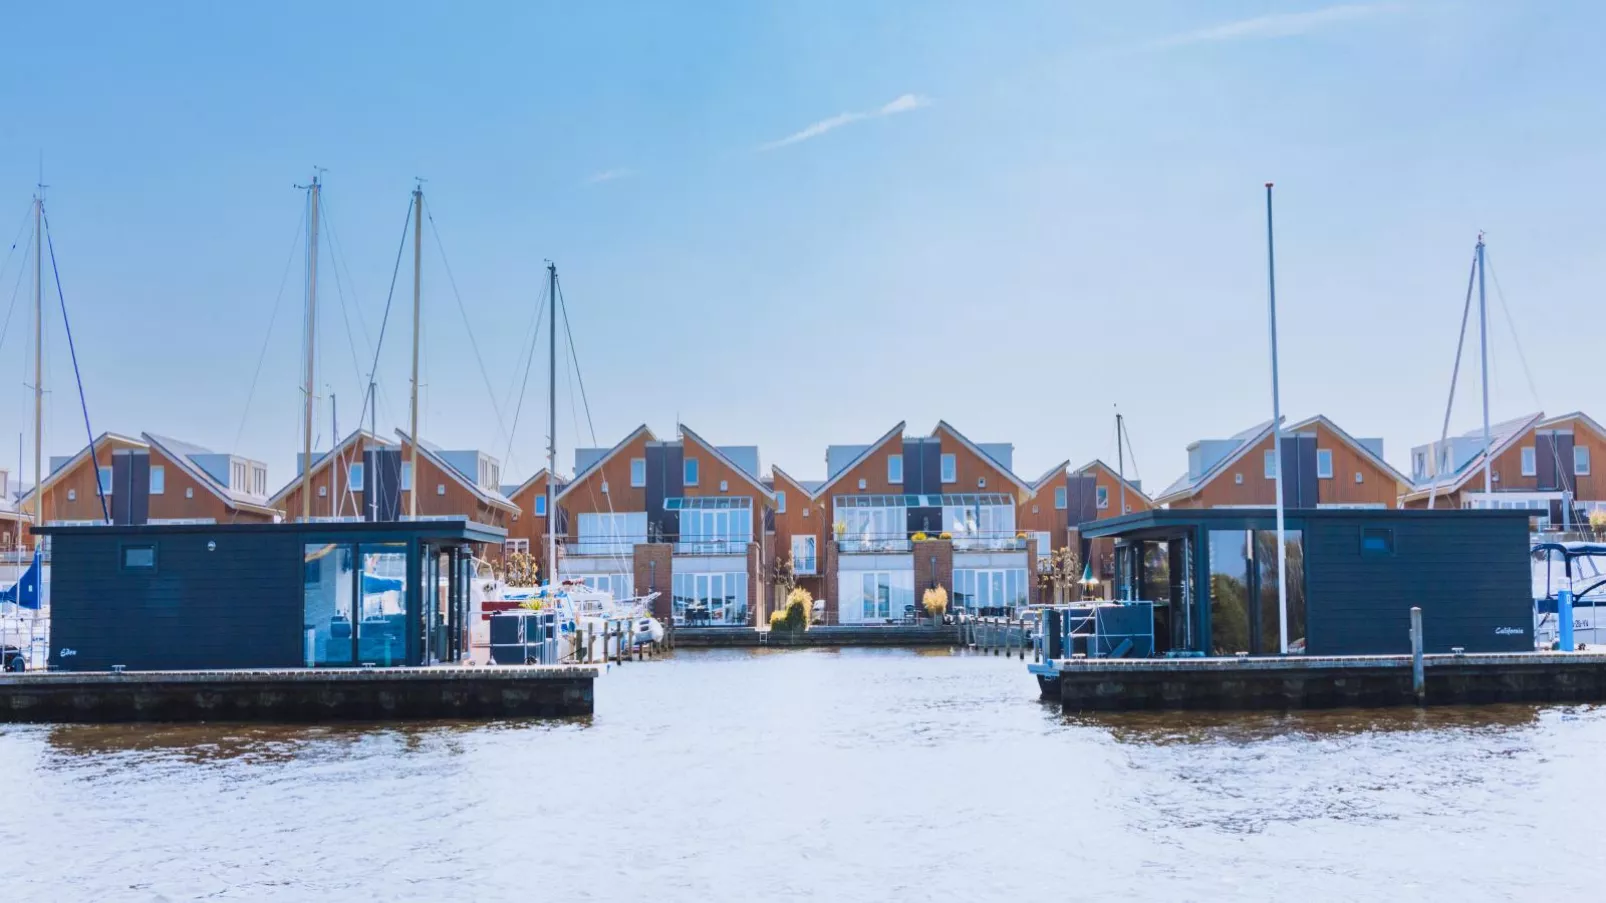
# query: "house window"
{"type": "Point", "coordinates": [990, 591]}
{"type": "Point", "coordinates": [1360, 477]}
{"type": "Point", "coordinates": [691, 472]}
{"type": "Point", "coordinates": [950, 469]}
{"type": "Point", "coordinates": [1238, 479]}
{"type": "Point", "coordinates": [139, 558]}
{"type": "Point", "coordinates": [804, 561]}
{"type": "Point", "coordinates": [237, 476]}
{"type": "Point", "coordinates": [440, 488]}
{"type": "Point", "coordinates": [520, 546]}
{"type": "Point", "coordinates": [106, 480]}
{"type": "Point", "coordinates": [894, 468]}
{"type": "Point", "coordinates": [1103, 495]}
{"type": "Point", "coordinates": [354, 477]}
{"type": "Point", "coordinates": [611, 534]}
{"type": "Point", "coordinates": [1271, 464]}
{"type": "Point", "coordinates": [158, 479]}
{"type": "Point", "coordinates": [780, 501]}
{"type": "Point", "coordinates": [638, 472]}
{"type": "Point", "coordinates": [1421, 465]}
{"type": "Point", "coordinates": [407, 476]}
{"type": "Point", "coordinates": [1060, 498]}
{"type": "Point", "coordinates": [604, 487]}
{"type": "Point", "coordinates": [72, 495]}
{"type": "Point", "coordinates": [1324, 463]}
{"type": "Point", "coordinates": [715, 531]}
{"type": "Point", "coordinates": [1045, 546]}
{"type": "Point", "coordinates": [1581, 460]}
{"type": "Point", "coordinates": [981, 526]}
{"type": "Point", "coordinates": [1377, 541]}
{"type": "Point", "coordinates": [724, 485]}
{"type": "Point", "coordinates": [540, 506]}
{"type": "Point", "coordinates": [1529, 464]}
{"type": "Point", "coordinates": [259, 480]}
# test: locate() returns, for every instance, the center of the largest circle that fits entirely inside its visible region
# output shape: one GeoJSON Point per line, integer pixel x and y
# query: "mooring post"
{"type": "Point", "coordinates": [1419, 684]}
{"type": "Point", "coordinates": [1564, 620]}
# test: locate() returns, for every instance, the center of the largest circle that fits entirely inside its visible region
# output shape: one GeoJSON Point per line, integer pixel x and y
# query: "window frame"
{"type": "Point", "coordinates": [103, 474]}
{"type": "Point", "coordinates": [539, 508]}
{"type": "Point", "coordinates": [1386, 534]}
{"type": "Point", "coordinates": [356, 477]}
{"type": "Point", "coordinates": [780, 501]}
{"type": "Point", "coordinates": [123, 548]}
{"type": "Point", "coordinates": [1584, 451]}
{"type": "Point", "coordinates": [948, 468]}
{"type": "Point", "coordinates": [1101, 497]}
{"type": "Point", "coordinates": [1528, 461]}
{"type": "Point", "coordinates": [691, 472]}
{"type": "Point", "coordinates": [158, 479]}
{"type": "Point", "coordinates": [813, 557]}
{"type": "Point", "coordinates": [1269, 463]}
{"type": "Point", "coordinates": [1321, 472]}
{"type": "Point", "coordinates": [637, 482]}
{"type": "Point", "coordinates": [1062, 498]}
{"type": "Point", "coordinates": [895, 462]}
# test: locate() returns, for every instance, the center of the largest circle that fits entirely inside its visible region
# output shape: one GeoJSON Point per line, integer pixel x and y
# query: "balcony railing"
{"type": "Point", "coordinates": [904, 542]}
{"type": "Point", "coordinates": [872, 543]}
{"type": "Point", "coordinates": [687, 544]}
{"type": "Point", "coordinates": [988, 542]}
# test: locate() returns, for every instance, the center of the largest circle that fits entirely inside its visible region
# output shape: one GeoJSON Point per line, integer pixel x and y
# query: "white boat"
{"type": "Point", "coordinates": [586, 615]}
{"type": "Point", "coordinates": [1581, 568]}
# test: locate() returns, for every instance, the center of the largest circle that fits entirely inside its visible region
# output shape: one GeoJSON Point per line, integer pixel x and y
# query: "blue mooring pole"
{"type": "Point", "coordinates": [1564, 619]}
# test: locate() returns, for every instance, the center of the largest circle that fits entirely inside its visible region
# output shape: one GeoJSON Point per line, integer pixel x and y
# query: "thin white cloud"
{"type": "Point", "coordinates": [609, 175]}
{"type": "Point", "coordinates": [902, 104]}
{"type": "Point", "coordinates": [1277, 25]}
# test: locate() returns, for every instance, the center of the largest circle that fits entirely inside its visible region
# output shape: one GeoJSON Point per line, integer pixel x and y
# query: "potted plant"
{"type": "Point", "coordinates": [920, 537]}
{"type": "Point", "coordinates": [945, 535]}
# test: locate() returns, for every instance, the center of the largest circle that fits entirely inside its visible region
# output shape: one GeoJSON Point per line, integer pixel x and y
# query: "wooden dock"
{"type": "Point", "coordinates": [1298, 682]}
{"type": "Point", "coordinates": [299, 695]}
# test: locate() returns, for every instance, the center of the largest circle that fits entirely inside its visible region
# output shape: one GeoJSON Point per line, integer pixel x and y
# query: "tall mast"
{"type": "Point", "coordinates": [312, 332]}
{"type": "Point", "coordinates": [1483, 340]}
{"type": "Point", "coordinates": [39, 360]}
{"type": "Point", "coordinates": [552, 427]}
{"type": "Point", "coordinates": [1120, 462]}
{"type": "Point", "coordinates": [418, 286]}
{"type": "Point", "coordinates": [1276, 433]}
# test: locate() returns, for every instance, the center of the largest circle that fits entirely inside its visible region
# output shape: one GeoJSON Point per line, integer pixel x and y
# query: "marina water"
{"type": "Point", "coordinates": [817, 774]}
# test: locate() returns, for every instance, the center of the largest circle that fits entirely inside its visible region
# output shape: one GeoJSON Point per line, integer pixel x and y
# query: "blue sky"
{"type": "Point", "coordinates": [793, 224]}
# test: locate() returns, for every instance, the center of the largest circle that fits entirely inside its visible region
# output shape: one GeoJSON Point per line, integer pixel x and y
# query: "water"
{"type": "Point", "coordinates": [859, 775]}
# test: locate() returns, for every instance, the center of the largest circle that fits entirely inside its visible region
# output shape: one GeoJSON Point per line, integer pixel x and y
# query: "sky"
{"type": "Point", "coordinates": [793, 224]}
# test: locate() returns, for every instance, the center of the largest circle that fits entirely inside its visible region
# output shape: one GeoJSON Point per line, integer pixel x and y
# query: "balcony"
{"type": "Point", "coordinates": [873, 543]}
{"type": "Point", "coordinates": [989, 542]}
{"type": "Point", "coordinates": [709, 545]}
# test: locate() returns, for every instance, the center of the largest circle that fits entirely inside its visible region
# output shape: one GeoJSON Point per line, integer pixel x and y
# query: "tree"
{"type": "Point", "coordinates": [1059, 571]}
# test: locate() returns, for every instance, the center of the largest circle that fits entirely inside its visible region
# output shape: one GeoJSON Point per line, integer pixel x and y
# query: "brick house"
{"type": "Point", "coordinates": [1537, 462]}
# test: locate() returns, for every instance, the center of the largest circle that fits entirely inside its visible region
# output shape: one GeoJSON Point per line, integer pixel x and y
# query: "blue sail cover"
{"type": "Point", "coordinates": [374, 584]}
{"type": "Point", "coordinates": [25, 593]}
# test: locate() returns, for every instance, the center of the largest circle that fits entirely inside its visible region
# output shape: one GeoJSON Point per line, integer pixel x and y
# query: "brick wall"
{"type": "Point", "coordinates": [653, 568]}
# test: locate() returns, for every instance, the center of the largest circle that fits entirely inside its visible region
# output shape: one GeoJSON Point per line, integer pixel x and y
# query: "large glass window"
{"type": "Point", "coordinates": [1580, 460]}
{"type": "Point", "coordinates": [382, 623]}
{"type": "Point", "coordinates": [980, 526]}
{"type": "Point", "coordinates": [873, 529]}
{"type": "Point", "coordinates": [611, 533]}
{"type": "Point", "coordinates": [1229, 592]}
{"type": "Point", "coordinates": [715, 531]}
{"type": "Point", "coordinates": [990, 592]}
{"type": "Point", "coordinates": [622, 586]}
{"type": "Point", "coordinates": [326, 603]}
{"type": "Point", "coordinates": [710, 599]}
{"type": "Point", "coordinates": [1270, 616]}
{"type": "Point", "coordinates": [804, 561]}
{"type": "Point", "coordinates": [950, 469]}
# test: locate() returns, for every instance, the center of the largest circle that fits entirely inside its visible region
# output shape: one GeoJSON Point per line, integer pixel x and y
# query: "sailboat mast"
{"type": "Point", "coordinates": [311, 338]}
{"type": "Point", "coordinates": [552, 427]}
{"type": "Point", "coordinates": [1120, 461]}
{"type": "Point", "coordinates": [1276, 432]}
{"type": "Point", "coordinates": [418, 286]}
{"type": "Point", "coordinates": [1483, 341]}
{"type": "Point", "coordinates": [39, 360]}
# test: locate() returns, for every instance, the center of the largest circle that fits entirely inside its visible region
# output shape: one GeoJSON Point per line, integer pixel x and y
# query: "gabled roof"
{"type": "Point", "coordinates": [1502, 437]}
{"type": "Point", "coordinates": [322, 460]}
{"type": "Point", "coordinates": [596, 465]}
{"type": "Point", "coordinates": [531, 482]}
{"type": "Point", "coordinates": [1575, 415]}
{"type": "Point", "coordinates": [776, 470]}
{"type": "Point", "coordinates": [1098, 463]}
{"type": "Point", "coordinates": [75, 460]}
{"type": "Point", "coordinates": [982, 453]}
{"type": "Point", "coordinates": [179, 453]}
{"type": "Point", "coordinates": [1051, 473]}
{"type": "Point", "coordinates": [687, 432]}
{"type": "Point", "coordinates": [860, 458]}
{"type": "Point", "coordinates": [1186, 486]}
{"type": "Point", "coordinates": [1354, 444]}
{"type": "Point", "coordinates": [490, 497]}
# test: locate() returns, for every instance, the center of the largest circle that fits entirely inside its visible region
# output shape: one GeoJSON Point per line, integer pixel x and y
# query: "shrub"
{"type": "Point", "coordinates": [1597, 520]}
{"type": "Point", "coordinates": [935, 601]}
{"type": "Point", "coordinates": [945, 535]}
{"type": "Point", "coordinates": [921, 537]}
{"type": "Point", "coordinates": [794, 613]}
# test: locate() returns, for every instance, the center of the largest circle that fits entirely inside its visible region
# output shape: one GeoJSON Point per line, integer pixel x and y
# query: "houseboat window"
{"type": "Point", "coordinates": [1377, 541]}
{"type": "Point", "coordinates": [691, 472]}
{"type": "Point", "coordinates": [1581, 460]}
{"type": "Point", "coordinates": [139, 558]}
{"type": "Point", "coordinates": [158, 479]}
{"type": "Point", "coordinates": [1270, 639]}
{"type": "Point", "coordinates": [354, 477]}
{"type": "Point", "coordinates": [950, 469]}
{"type": "Point", "coordinates": [540, 505]}
{"type": "Point", "coordinates": [1060, 498]}
{"type": "Point", "coordinates": [1229, 592]}
{"type": "Point", "coordinates": [106, 480]}
{"type": "Point", "coordinates": [382, 621]}
{"type": "Point", "coordinates": [638, 472]}
{"type": "Point", "coordinates": [894, 468]}
{"type": "Point", "coordinates": [1529, 463]}
{"type": "Point", "coordinates": [804, 561]}
{"type": "Point", "coordinates": [1324, 463]}
{"type": "Point", "coordinates": [326, 593]}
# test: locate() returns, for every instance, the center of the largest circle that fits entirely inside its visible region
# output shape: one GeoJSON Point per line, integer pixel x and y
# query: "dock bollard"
{"type": "Point", "coordinates": [1419, 684]}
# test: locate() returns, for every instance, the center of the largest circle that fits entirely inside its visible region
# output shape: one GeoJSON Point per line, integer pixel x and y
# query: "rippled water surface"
{"type": "Point", "coordinates": [855, 775]}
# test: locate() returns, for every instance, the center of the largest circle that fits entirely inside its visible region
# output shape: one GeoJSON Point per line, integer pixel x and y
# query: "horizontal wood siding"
{"type": "Point", "coordinates": [238, 606]}
{"type": "Point", "coordinates": [1469, 575]}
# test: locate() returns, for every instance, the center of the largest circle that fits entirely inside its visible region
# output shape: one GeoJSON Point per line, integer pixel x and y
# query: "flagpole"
{"type": "Point", "coordinates": [1276, 433]}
